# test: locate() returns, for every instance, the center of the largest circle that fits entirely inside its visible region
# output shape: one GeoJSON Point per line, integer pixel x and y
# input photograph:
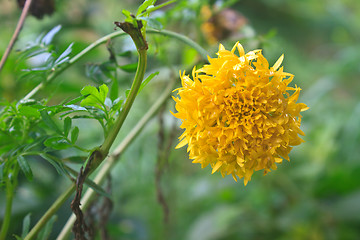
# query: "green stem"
{"type": "Point", "coordinates": [18, 28]}
{"type": "Point", "coordinates": [73, 60]}
{"type": "Point", "coordinates": [140, 72]}
{"type": "Point", "coordinates": [50, 212]}
{"type": "Point", "coordinates": [104, 39]}
{"type": "Point", "coordinates": [8, 207]}
{"type": "Point", "coordinates": [113, 159]}
{"type": "Point", "coordinates": [204, 54]}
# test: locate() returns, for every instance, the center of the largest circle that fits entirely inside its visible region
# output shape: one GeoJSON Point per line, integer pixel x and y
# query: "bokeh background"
{"type": "Point", "coordinates": [314, 196]}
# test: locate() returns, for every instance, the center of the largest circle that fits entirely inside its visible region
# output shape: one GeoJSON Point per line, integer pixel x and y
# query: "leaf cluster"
{"type": "Point", "coordinates": [27, 128]}
{"type": "Point", "coordinates": [42, 56]}
{"type": "Point", "coordinates": [143, 14]}
{"type": "Point", "coordinates": [99, 107]}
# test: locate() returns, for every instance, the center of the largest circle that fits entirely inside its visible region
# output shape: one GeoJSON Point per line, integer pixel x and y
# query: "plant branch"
{"type": "Point", "coordinates": [50, 212]}
{"type": "Point", "coordinates": [73, 60]}
{"type": "Point", "coordinates": [141, 47]}
{"type": "Point", "coordinates": [16, 33]}
{"type": "Point", "coordinates": [203, 53]}
{"type": "Point", "coordinates": [113, 158]}
{"type": "Point", "coordinates": [80, 227]}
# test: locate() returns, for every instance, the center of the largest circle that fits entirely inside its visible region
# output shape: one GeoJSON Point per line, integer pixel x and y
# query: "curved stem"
{"type": "Point", "coordinates": [73, 60]}
{"type": "Point", "coordinates": [113, 158]}
{"type": "Point", "coordinates": [50, 212]}
{"type": "Point", "coordinates": [204, 54]}
{"type": "Point", "coordinates": [129, 101]}
{"type": "Point", "coordinates": [104, 39]}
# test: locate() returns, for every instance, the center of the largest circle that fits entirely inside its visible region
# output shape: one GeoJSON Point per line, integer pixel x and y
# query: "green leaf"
{"type": "Point", "coordinates": [64, 56]}
{"type": "Point", "coordinates": [75, 107]}
{"type": "Point", "coordinates": [144, 6]}
{"type": "Point", "coordinates": [91, 184]}
{"type": "Point", "coordinates": [129, 18]}
{"type": "Point", "coordinates": [147, 80]}
{"type": "Point", "coordinates": [67, 126]}
{"type": "Point", "coordinates": [102, 73]}
{"type": "Point", "coordinates": [95, 98]}
{"type": "Point", "coordinates": [114, 90]}
{"type": "Point", "coordinates": [28, 111]}
{"type": "Point", "coordinates": [84, 117]}
{"type": "Point", "coordinates": [89, 90]}
{"type": "Point", "coordinates": [25, 167]}
{"type": "Point", "coordinates": [25, 226]}
{"type": "Point", "coordinates": [107, 68]}
{"type": "Point", "coordinates": [97, 188]}
{"type": "Point", "coordinates": [51, 109]}
{"type": "Point", "coordinates": [91, 101]}
{"type": "Point", "coordinates": [55, 162]}
{"type": "Point", "coordinates": [75, 159]}
{"type": "Point", "coordinates": [74, 135]}
{"type": "Point", "coordinates": [127, 14]}
{"type": "Point", "coordinates": [129, 67]}
{"type": "Point", "coordinates": [116, 105]}
{"type": "Point", "coordinates": [49, 122]}
{"type": "Point", "coordinates": [127, 93]}
{"type": "Point", "coordinates": [72, 109]}
{"type": "Point", "coordinates": [34, 144]}
{"type": "Point", "coordinates": [46, 40]}
{"type": "Point", "coordinates": [45, 233]}
{"type": "Point", "coordinates": [57, 143]}
{"type": "Point", "coordinates": [103, 90]}
{"type": "Point", "coordinates": [28, 102]}
{"type": "Point", "coordinates": [125, 54]}
{"type": "Point", "coordinates": [143, 84]}
{"type": "Point", "coordinates": [72, 102]}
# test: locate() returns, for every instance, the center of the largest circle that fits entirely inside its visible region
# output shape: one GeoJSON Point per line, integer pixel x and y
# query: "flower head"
{"type": "Point", "coordinates": [239, 114]}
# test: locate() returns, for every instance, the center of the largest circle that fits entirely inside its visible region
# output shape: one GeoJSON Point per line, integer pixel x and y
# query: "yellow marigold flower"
{"type": "Point", "coordinates": [239, 115]}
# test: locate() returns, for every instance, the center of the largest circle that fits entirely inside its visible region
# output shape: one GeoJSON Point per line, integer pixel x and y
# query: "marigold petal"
{"type": "Point", "coordinates": [182, 143]}
{"type": "Point", "coordinates": [234, 177]}
{"type": "Point", "coordinates": [278, 63]}
{"type": "Point", "coordinates": [216, 167]}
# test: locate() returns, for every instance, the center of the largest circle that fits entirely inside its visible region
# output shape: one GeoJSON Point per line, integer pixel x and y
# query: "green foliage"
{"type": "Point", "coordinates": [95, 97]}
{"type": "Point", "coordinates": [25, 167]}
{"type": "Point", "coordinates": [99, 106]}
{"type": "Point", "coordinates": [143, 14]}
{"type": "Point", "coordinates": [145, 6]}
{"type": "Point", "coordinates": [147, 80]}
{"type": "Point", "coordinates": [44, 54]}
{"type": "Point", "coordinates": [25, 226]}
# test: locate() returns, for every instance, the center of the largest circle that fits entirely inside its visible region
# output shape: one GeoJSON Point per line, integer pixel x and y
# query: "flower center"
{"type": "Point", "coordinates": [240, 106]}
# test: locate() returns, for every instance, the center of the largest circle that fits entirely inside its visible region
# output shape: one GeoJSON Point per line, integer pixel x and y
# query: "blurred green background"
{"type": "Point", "coordinates": [315, 196]}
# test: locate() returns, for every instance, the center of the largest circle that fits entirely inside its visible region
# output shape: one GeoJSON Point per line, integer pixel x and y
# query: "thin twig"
{"type": "Point", "coordinates": [16, 33]}
{"type": "Point", "coordinates": [159, 168]}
